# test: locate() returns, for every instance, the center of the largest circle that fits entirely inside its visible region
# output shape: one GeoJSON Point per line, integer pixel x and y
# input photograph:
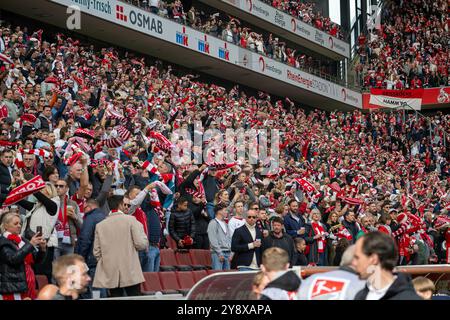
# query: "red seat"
{"type": "Point", "coordinates": [169, 281]}
{"type": "Point", "coordinates": [185, 279]}
{"type": "Point", "coordinates": [199, 275]}
{"type": "Point", "coordinates": [41, 281]}
{"type": "Point", "coordinates": [171, 243]}
{"type": "Point", "coordinates": [183, 258]}
{"type": "Point", "coordinates": [201, 257]}
{"type": "Point", "coordinates": [151, 284]}
{"type": "Point", "coordinates": [169, 262]}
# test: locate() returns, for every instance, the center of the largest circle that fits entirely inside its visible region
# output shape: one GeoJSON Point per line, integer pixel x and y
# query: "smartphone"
{"type": "Point", "coordinates": [39, 230]}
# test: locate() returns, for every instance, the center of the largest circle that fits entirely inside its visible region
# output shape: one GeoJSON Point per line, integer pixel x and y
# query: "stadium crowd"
{"type": "Point", "coordinates": [306, 12]}
{"type": "Point", "coordinates": [95, 123]}
{"type": "Point", "coordinates": [220, 25]}
{"type": "Point", "coordinates": [409, 49]}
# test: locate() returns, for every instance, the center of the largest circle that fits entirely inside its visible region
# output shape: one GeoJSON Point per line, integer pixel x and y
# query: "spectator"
{"type": "Point", "coordinates": [424, 287]}
{"type": "Point", "coordinates": [259, 283]}
{"type": "Point", "coordinates": [17, 256]}
{"type": "Point", "coordinates": [300, 258]}
{"type": "Point", "coordinates": [85, 243]}
{"type": "Point", "coordinates": [283, 283]}
{"type": "Point", "coordinates": [43, 213]}
{"type": "Point", "coordinates": [182, 225]}
{"type": "Point", "coordinates": [277, 238]}
{"type": "Point", "coordinates": [294, 222]}
{"type": "Point", "coordinates": [237, 220]}
{"type": "Point", "coordinates": [246, 244]}
{"type": "Point", "coordinates": [71, 275]}
{"type": "Point", "coordinates": [69, 221]}
{"type": "Point", "coordinates": [219, 235]}
{"type": "Point", "coordinates": [374, 260]}
{"type": "Point", "coordinates": [118, 268]}
{"type": "Point", "coordinates": [315, 238]}
{"type": "Point", "coordinates": [349, 228]}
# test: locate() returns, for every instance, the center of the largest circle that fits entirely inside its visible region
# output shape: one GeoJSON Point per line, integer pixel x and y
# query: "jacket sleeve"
{"type": "Point", "coordinates": [15, 257]}
{"type": "Point", "coordinates": [87, 234]}
{"type": "Point", "coordinates": [101, 198]}
{"type": "Point", "coordinates": [192, 226]}
{"type": "Point", "coordinates": [212, 236]}
{"type": "Point", "coordinates": [237, 244]}
{"type": "Point", "coordinates": [136, 202]}
{"type": "Point", "coordinates": [48, 203]}
{"type": "Point", "coordinates": [97, 251]}
{"type": "Point", "coordinates": [289, 228]}
{"type": "Point", "coordinates": [140, 240]}
{"type": "Point", "coordinates": [172, 228]}
{"type": "Point", "coordinates": [309, 235]}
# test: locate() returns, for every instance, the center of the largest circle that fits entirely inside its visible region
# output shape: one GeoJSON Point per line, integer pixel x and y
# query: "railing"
{"type": "Point", "coordinates": [310, 70]}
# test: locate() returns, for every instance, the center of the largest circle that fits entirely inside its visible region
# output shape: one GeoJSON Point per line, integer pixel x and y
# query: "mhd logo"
{"type": "Point", "coordinates": [331, 42]}
{"type": "Point", "coordinates": [224, 53]}
{"type": "Point", "coordinates": [203, 45]}
{"type": "Point", "coordinates": [182, 38]}
{"type": "Point", "coordinates": [262, 64]}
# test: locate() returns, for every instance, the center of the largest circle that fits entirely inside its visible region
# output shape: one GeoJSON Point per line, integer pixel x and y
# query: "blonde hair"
{"type": "Point", "coordinates": [51, 190]}
{"type": "Point", "coordinates": [6, 219]}
{"type": "Point", "coordinates": [275, 259]}
{"type": "Point", "coordinates": [422, 284]}
{"type": "Point", "coordinates": [258, 279]}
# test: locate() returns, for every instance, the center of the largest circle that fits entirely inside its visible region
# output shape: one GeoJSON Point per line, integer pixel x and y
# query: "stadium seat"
{"type": "Point", "coordinates": [41, 281]}
{"type": "Point", "coordinates": [199, 275]}
{"type": "Point", "coordinates": [171, 243]}
{"type": "Point", "coordinates": [169, 281]}
{"type": "Point", "coordinates": [169, 262]}
{"type": "Point", "coordinates": [186, 280]}
{"type": "Point", "coordinates": [152, 284]}
{"type": "Point", "coordinates": [201, 257]}
{"type": "Point", "coordinates": [184, 258]}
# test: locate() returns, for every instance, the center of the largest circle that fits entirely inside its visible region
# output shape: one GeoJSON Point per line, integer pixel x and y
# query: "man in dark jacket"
{"type": "Point", "coordinates": [351, 225]}
{"type": "Point", "coordinates": [93, 215]}
{"type": "Point", "coordinates": [375, 258]}
{"type": "Point", "coordinates": [211, 186]}
{"type": "Point", "coordinates": [182, 224]}
{"type": "Point", "coordinates": [246, 244]}
{"type": "Point", "coordinates": [6, 160]}
{"type": "Point", "coordinates": [277, 238]}
{"type": "Point", "coordinates": [284, 284]}
{"type": "Point", "coordinates": [294, 223]}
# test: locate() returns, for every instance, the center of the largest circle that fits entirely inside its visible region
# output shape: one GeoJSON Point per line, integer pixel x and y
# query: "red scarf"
{"type": "Point", "coordinates": [62, 225]}
{"type": "Point", "coordinates": [29, 273]}
{"type": "Point", "coordinates": [318, 229]}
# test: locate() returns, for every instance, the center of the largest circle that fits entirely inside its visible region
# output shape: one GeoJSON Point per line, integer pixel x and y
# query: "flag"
{"type": "Point", "coordinates": [6, 59]}
{"type": "Point", "coordinates": [306, 185]}
{"type": "Point", "coordinates": [398, 99]}
{"type": "Point", "coordinates": [24, 190]}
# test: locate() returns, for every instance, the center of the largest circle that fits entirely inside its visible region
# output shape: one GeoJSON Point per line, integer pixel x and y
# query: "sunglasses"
{"type": "Point", "coordinates": [126, 205]}
{"type": "Point", "coordinates": [251, 217]}
{"type": "Point", "coordinates": [60, 186]}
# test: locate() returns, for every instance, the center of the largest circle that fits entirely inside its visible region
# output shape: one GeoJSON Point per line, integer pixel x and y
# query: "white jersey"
{"type": "Point", "coordinates": [334, 285]}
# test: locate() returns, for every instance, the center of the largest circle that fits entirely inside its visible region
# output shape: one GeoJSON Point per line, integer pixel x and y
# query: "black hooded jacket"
{"type": "Point", "coordinates": [401, 289]}
{"type": "Point", "coordinates": [280, 288]}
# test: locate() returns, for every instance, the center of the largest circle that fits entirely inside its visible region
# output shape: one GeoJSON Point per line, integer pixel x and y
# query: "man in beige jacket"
{"type": "Point", "coordinates": [118, 239]}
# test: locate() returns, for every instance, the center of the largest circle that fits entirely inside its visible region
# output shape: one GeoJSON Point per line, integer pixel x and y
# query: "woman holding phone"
{"type": "Point", "coordinates": [17, 256]}
{"type": "Point", "coordinates": [42, 213]}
